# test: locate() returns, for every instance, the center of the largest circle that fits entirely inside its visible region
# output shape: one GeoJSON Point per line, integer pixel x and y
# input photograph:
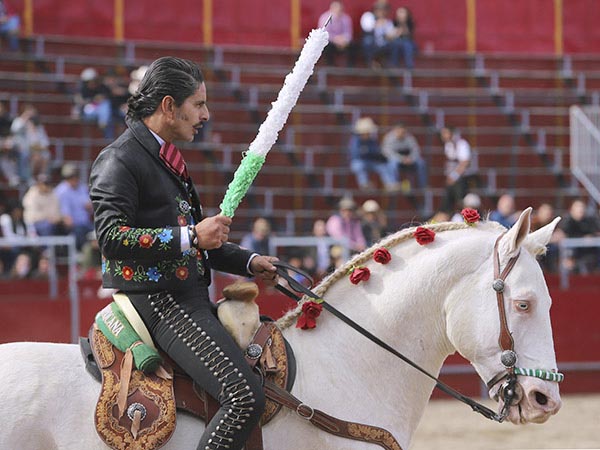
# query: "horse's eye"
{"type": "Point", "coordinates": [523, 306]}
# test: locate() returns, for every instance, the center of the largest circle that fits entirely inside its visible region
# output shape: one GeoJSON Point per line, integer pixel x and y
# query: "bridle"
{"type": "Point", "coordinates": [508, 356]}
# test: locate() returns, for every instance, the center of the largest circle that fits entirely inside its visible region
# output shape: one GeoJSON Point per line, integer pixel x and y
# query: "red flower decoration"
{"type": "Point", "coordinates": [470, 215]}
{"type": "Point", "coordinates": [145, 240]}
{"type": "Point", "coordinates": [360, 274]}
{"type": "Point", "coordinates": [382, 256]}
{"type": "Point", "coordinates": [308, 319]}
{"type": "Point", "coordinates": [182, 221]}
{"type": "Point", "coordinates": [124, 228]}
{"type": "Point", "coordinates": [181, 273]}
{"type": "Point", "coordinates": [127, 273]}
{"type": "Point", "coordinates": [424, 236]}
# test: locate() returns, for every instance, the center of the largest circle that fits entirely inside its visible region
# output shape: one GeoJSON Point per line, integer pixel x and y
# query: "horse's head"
{"type": "Point", "coordinates": [476, 328]}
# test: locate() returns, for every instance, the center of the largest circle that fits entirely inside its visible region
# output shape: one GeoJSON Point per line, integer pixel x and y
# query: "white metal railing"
{"type": "Point", "coordinates": [585, 147]}
{"type": "Point", "coordinates": [52, 242]}
{"type": "Point", "coordinates": [564, 245]}
{"type": "Point", "coordinates": [307, 241]}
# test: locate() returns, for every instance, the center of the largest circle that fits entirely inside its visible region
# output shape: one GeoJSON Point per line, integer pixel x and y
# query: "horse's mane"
{"type": "Point", "coordinates": [361, 258]}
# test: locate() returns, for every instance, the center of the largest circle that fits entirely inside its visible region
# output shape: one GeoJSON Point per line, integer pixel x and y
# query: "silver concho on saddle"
{"type": "Point", "coordinates": [141, 388]}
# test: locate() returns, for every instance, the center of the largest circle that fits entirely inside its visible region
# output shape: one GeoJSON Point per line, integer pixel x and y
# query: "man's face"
{"type": "Point", "coordinates": [446, 134]}
{"type": "Point", "coordinates": [190, 116]}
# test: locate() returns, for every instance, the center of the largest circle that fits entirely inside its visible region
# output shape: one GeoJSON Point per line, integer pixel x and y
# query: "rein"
{"type": "Point", "coordinates": [282, 271]}
{"type": "Point", "coordinates": [508, 356]}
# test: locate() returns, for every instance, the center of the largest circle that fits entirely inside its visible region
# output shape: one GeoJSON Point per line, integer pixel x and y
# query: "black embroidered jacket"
{"type": "Point", "coordinates": [139, 207]}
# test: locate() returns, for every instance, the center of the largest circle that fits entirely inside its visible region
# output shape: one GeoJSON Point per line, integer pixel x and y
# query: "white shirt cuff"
{"type": "Point", "coordinates": [185, 239]}
{"type": "Point", "coordinates": [252, 256]}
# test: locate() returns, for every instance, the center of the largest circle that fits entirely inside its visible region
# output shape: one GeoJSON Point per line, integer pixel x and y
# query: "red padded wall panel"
{"type": "Point", "coordinates": [515, 26]}
{"type": "Point", "coordinates": [78, 18]}
{"type": "Point", "coordinates": [259, 22]}
{"type": "Point", "coordinates": [159, 20]}
{"type": "Point", "coordinates": [581, 24]}
{"type": "Point", "coordinates": [509, 26]}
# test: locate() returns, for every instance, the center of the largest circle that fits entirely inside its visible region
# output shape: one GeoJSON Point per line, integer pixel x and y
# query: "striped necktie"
{"type": "Point", "coordinates": [173, 158]}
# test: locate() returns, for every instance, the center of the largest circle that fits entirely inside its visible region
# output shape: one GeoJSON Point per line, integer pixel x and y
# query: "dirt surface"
{"type": "Point", "coordinates": [449, 424]}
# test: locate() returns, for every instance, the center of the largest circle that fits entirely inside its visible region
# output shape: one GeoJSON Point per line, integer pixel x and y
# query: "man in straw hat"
{"type": "Point", "coordinates": [366, 157]}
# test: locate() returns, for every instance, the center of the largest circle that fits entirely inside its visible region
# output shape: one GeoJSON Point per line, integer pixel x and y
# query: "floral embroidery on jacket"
{"type": "Point", "coordinates": [167, 268]}
{"type": "Point", "coordinates": [142, 237]}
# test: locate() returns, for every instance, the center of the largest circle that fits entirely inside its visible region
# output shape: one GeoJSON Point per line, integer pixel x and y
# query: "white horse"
{"type": "Point", "coordinates": [427, 302]}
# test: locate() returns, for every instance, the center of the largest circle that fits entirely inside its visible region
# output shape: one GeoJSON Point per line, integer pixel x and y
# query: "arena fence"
{"type": "Point", "coordinates": [585, 147]}
{"type": "Point", "coordinates": [51, 243]}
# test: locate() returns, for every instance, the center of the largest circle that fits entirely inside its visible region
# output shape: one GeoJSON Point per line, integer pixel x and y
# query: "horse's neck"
{"type": "Point", "coordinates": [346, 375]}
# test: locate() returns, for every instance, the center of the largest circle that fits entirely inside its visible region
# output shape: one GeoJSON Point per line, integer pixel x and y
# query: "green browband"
{"type": "Point", "coordinates": [117, 329]}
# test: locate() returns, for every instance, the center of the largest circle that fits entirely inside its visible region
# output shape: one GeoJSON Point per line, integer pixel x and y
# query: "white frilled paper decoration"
{"type": "Point", "coordinates": [276, 118]}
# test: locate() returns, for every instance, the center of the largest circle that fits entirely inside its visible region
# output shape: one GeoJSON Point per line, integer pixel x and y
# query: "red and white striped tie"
{"type": "Point", "coordinates": [173, 159]}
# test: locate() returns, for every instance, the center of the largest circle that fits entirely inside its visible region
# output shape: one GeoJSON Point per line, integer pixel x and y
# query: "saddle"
{"type": "Point", "coordinates": [149, 416]}
{"type": "Point", "coordinates": [137, 409]}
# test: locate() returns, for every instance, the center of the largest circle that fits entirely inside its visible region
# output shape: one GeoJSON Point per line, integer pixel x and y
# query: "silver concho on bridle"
{"type": "Point", "coordinates": [498, 285]}
{"type": "Point", "coordinates": [508, 358]}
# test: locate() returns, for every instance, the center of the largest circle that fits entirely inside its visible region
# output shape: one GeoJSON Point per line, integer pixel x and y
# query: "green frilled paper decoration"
{"type": "Point", "coordinates": [242, 179]}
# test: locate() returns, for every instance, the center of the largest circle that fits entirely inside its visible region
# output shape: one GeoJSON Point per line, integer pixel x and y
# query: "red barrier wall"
{"type": "Point", "coordinates": [526, 26]}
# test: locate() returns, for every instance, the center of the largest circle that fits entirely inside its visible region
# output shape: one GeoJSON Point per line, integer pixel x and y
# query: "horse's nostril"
{"type": "Point", "coordinates": [541, 398]}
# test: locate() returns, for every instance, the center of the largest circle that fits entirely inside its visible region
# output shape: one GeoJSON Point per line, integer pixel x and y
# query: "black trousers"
{"type": "Point", "coordinates": [184, 325]}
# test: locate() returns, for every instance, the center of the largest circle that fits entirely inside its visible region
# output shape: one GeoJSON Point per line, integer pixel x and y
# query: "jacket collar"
{"type": "Point", "coordinates": [143, 135]}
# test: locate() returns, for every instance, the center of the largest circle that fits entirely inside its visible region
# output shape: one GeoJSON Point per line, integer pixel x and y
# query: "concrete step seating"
{"type": "Point", "coordinates": [513, 110]}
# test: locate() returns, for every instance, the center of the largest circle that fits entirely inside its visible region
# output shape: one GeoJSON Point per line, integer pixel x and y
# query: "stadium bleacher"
{"type": "Point", "coordinates": [512, 109]}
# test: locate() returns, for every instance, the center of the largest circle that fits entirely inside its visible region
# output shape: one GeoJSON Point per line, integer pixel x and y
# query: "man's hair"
{"type": "Point", "coordinates": [177, 77]}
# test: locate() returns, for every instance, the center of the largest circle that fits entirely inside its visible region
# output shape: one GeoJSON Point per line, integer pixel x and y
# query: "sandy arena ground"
{"type": "Point", "coordinates": [449, 424]}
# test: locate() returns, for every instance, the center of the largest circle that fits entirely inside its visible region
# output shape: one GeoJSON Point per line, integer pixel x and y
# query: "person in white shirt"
{"type": "Point", "coordinates": [458, 159]}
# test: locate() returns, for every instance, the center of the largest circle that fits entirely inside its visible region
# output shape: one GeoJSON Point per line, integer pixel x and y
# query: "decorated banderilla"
{"type": "Point", "coordinates": [293, 85]}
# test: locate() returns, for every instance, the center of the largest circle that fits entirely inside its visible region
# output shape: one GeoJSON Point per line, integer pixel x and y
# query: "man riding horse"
{"type": "Point", "coordinates": [158, 248]}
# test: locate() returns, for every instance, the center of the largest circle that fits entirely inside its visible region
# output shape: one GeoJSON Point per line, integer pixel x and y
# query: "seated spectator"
{"type": "Point", "coordinates": [10, 25]}
{"type": "Point", "coordinates": [505, 213]}
{"type": "Point", "coordinates": [542, 216]}
{"type": "Point", "coordinates": [344, 225]}
{"type": "Point", "coordinates": [92, 102]}
{"type": "Point", "coordinates": [472, 201]}
{"type": "Point", "coordinates": [5, 120]}
{"type": "Point", "coordinates": [340, 34]}
{"type": "Point", "coordinates": [374, 222]}
{"type": "Point", "coordinates": [404, 26]}
{"type": "Point", "coordinates": [118, 94]}
{"type": "Point", "coordinates": [12, 226]}
{"type": "Point", "coordinates": [322, 258]}
{"type": "Point", "coordinates": [32, 144]}
{"type": "Point", "coordinates": [8, 152]}
{"type": "Point", "coordinates": [257, 241]}
{"type": "Point", "coordinates": [402, 148]}
{"type": "Point", "coordinates": [366, 156]}
{"type": "Point", "coordinates": [379, 36]}
{"type": "Point", "coordinates": [75, 204]}
{"type": "Point", "coordinates": [42, 208]}
{"type": "Point", "coordinates": [439, 217]}
{"type": "Point", "coordinates": [576, 225]}
{"type": "Point", "coordinates": [458, 158]}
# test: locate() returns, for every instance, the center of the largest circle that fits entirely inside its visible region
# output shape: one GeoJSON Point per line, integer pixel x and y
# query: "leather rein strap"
{"type": "Point", "coordinates": [282, 271]}
{"type": "Point", "coordinates": [330, 424]}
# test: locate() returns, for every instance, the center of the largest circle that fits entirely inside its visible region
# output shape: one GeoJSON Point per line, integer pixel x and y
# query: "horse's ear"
{"type": "Point", "coordinates": [537, 241]}
{"type": "Point", "coordinates": [512, 240]}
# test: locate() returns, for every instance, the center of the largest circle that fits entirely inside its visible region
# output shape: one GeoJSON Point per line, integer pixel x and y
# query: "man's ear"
{"type": "Point", "coordinates": [167, 107]}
